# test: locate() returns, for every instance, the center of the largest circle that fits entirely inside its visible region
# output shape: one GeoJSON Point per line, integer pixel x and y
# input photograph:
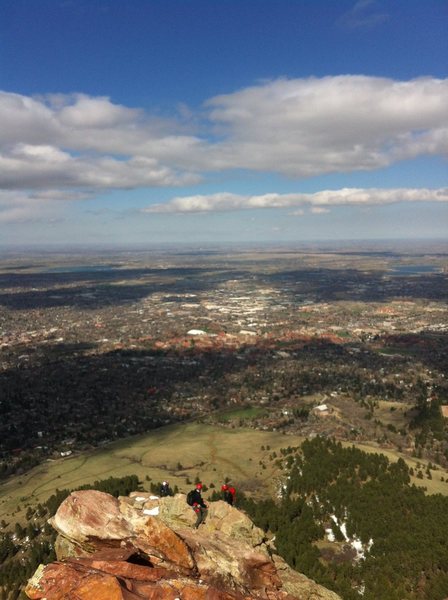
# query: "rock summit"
{"type": "Point", "coordinates": [145, 548]}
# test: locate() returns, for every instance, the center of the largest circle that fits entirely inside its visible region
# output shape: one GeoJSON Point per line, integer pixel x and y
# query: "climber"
{"type": "Point", "coordinates": [228, 494]}
{"type": "Point", "coordinates": [194, 499]}
{"type": "Point", "coordinates": [165, 490]}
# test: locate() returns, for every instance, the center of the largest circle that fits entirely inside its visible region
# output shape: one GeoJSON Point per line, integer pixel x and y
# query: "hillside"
{"type": "Point", "coordinates": [181, 453]}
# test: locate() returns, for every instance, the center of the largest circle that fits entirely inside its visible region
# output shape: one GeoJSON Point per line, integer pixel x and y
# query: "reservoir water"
{"type": "Point", "coordinates": [414, 269]}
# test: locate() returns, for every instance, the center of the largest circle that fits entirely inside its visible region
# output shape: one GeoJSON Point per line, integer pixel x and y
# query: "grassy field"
{"type": "Point", "coordinates": [175, 453]}
{"type": "Point", "coordinates": [178, 453]}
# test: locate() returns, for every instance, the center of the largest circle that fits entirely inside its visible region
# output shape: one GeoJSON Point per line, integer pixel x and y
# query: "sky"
{"type": "Point", "coordinates": [211, 121]}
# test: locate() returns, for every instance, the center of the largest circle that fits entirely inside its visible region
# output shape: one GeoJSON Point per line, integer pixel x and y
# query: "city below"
{"type": "Point", "coordinates": [349, 342]}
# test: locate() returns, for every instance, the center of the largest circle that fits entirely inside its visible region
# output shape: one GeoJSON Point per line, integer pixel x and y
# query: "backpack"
{"type": "Point", "coordinates": [190, 497]}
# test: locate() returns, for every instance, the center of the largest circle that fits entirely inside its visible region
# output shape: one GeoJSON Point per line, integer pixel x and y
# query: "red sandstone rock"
{"type": "Point", "coordinates": [63, 581]}
{"type": "Point", "coordinates": [114, 551]}
{"type": "Point", "coordinates": [92, 521]}
{"type": "Point", "coordinates": [127, 570]}
{"type": "Point", "coordinates": [100, 587]}
{"type": "Point", "coordinates": [156, 539]}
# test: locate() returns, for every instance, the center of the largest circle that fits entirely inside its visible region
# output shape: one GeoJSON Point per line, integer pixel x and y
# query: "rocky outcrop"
{"type": "Point", "coordinates": [144, 548]}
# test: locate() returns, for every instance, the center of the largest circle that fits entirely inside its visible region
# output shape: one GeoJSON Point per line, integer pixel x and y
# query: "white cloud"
{"type": "Point", "coordinates": [40, 167]}
{"type": "Point", "coordinates": [78, 141]}
{"type": "Point", "coordinates": [95, 113]}
{"type": "Point", "coordinates": [307, 127]}
{"type": "Point", "coordinates": [319, 202]}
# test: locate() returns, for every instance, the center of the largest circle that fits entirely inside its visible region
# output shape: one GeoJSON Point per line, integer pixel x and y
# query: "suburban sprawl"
{"type": "Point", "coordinates": [350, 343]}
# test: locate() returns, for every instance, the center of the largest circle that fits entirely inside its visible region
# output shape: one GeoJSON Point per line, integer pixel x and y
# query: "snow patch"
{"type": "Point", "coordinates": [151, 511]}
{"type": "Point", "coordinates": [355, 543]}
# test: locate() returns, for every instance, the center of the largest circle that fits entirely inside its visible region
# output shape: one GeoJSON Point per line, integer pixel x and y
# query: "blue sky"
{"type": "Point", "coordinates": [146, 121]}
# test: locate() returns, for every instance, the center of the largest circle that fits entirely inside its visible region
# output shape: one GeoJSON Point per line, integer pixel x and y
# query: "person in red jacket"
{"type": "Point", "coordinates": [228, 494]}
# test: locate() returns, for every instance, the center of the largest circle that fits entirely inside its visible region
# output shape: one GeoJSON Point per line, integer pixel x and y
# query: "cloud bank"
{"type": "Point", "coordinates": [297, 127]}
{"type": "Point", "coordinates": [74, 146]}
{"type": "Point", "coordinates": [318, 202]}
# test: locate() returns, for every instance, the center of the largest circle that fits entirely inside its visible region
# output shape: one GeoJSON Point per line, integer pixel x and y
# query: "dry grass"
{"type": "Point", "coordinates": [205, 451]}
{"type": "Point", "coordinates": [393, 413]}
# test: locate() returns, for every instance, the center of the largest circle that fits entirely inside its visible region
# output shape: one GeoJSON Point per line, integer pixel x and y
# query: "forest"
{"type": "Point", "coordinates": [369, 503]}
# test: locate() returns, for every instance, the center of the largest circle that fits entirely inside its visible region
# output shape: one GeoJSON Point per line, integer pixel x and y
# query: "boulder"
{"type": "Point", "coordinates": [174, 511]}
{"type": "Point", "coordinates": [105, 581]}
{"type": "Point", "coordinates": [105, 523]}
{"type": "Point", "coordinates": [90, 514]}
{"type": "Point", "coordinates": [232, 522]}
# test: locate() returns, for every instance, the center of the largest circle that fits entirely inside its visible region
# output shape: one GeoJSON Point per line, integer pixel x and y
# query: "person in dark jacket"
{"type": "Point", "coordinates": [165, 490]}
{"type": "Point", "coordinates": [199, 506]}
